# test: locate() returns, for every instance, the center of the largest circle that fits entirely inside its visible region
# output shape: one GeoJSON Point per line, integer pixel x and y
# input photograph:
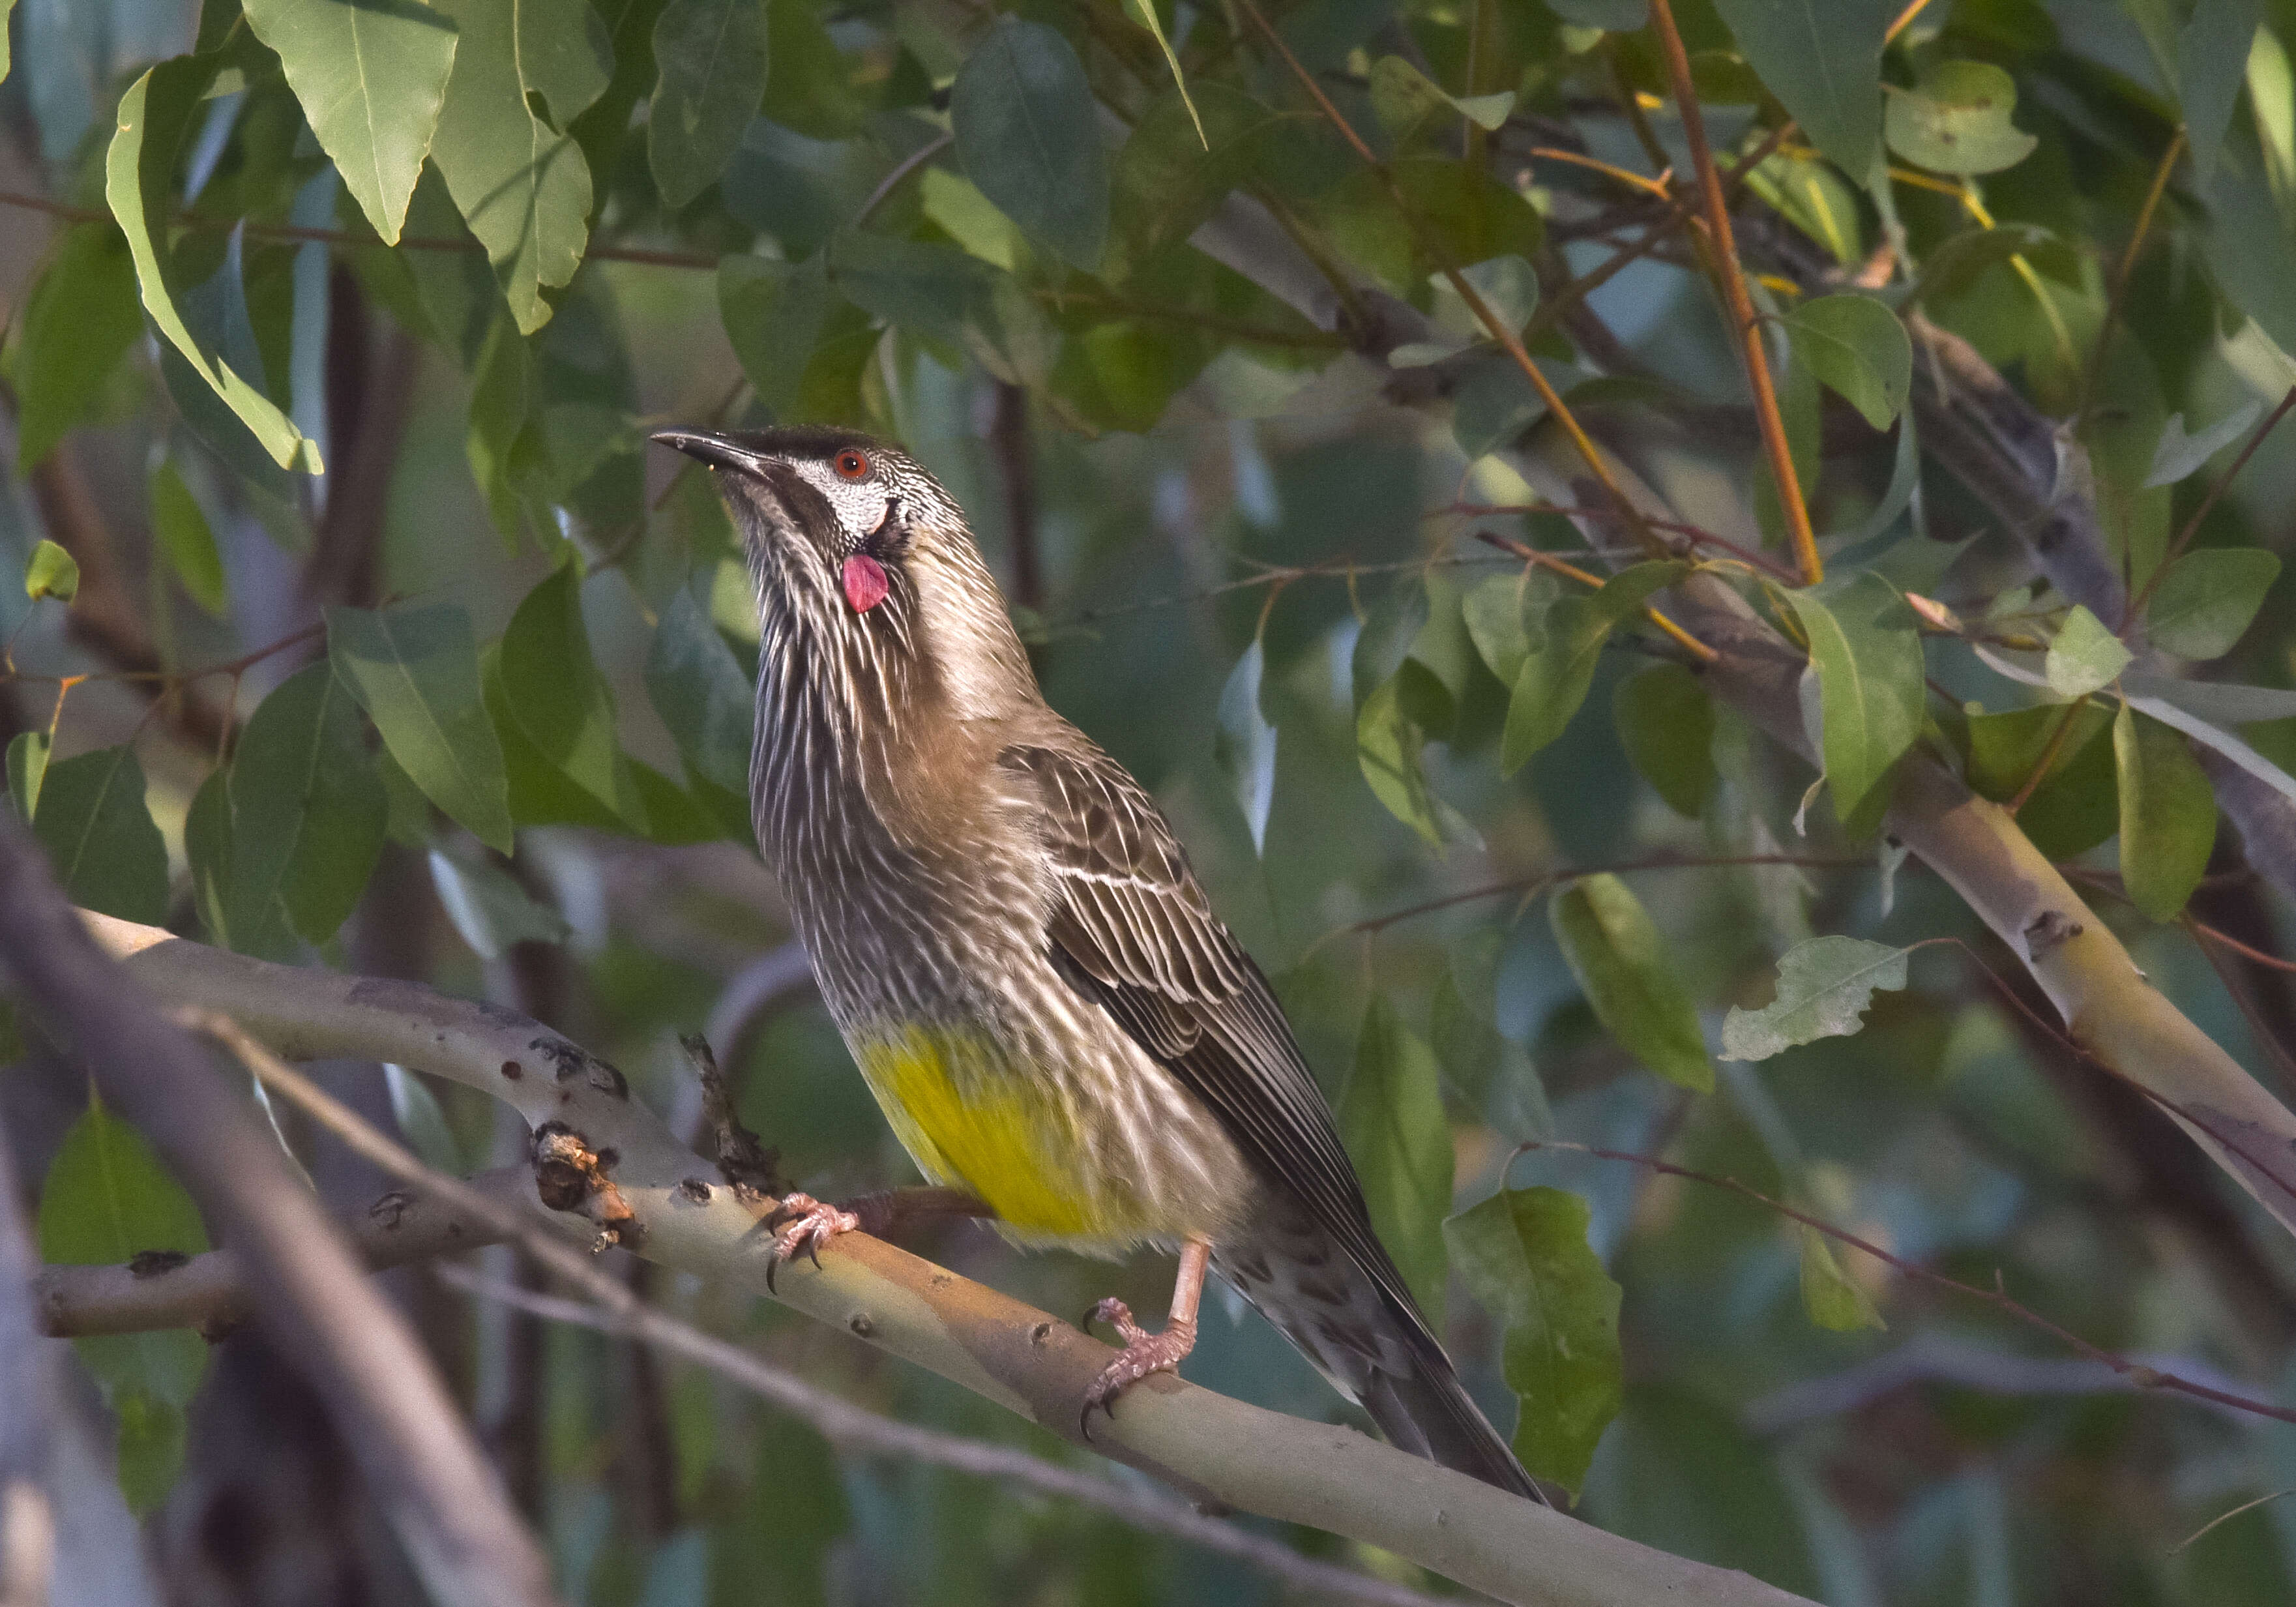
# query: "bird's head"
{"type": "Point", "coordinates": [864, 562]}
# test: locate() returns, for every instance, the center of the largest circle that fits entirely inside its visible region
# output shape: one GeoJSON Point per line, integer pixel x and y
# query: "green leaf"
{"type": "Point", "coordinates": [1666, 723]}
{"type": "Point", "coordinates": [306, 816]}
{"type": "Point", "coordinates": [2074, 808]}
{"type": "Point", "coordinates": [1615, 952]}
{"type": "Point", "coordinates": [1392, 1122]}
{"type": "Point", "coordinates": [1388, 745]}
{"type": "Point", "coordinates": [1524, 1255]}
{"type": "Point", "coordinates": [1509, 287]}
{"type": "Point", "coordinates": [1506, 617]}
{"type": "Point", "coordinates": [371, 76]}
{"type": "Point", "coordinates": [50, 572]}
{"type": "Point", "coordinates": [1957, 121]}
{"type": "Point", "coordinates": [522, 72]}
{"type": "Point", "coordinates": [1245, 745]}
{"type": "Point", "coordinates": [107, 1202]}
{"type": "Point", "coordinates": [155, 116]}
{"type": "Point", "coordinates": [414, 670]}
{"type": "Point", "coordinates": [28, 769]}
{"type": "Point", "coordinates": [2180, 454]}
{"type": "Point", "coordinates": [2085, 657]}
{"type": "Point", "coordinates": [2168, 815]}
{"type": "Point", "coordinates": [488, 908]}
{"type": "Point", "coordinates": [1824, 988]}
{"type": "Point", "coordinates": [1867, 651]}
{"type": "Point", "coordinates": [702, 695]}
{"type": "Point", "coordinates": [1556, 675]}
{"type": "Point", "coordinates": [711, 58]}
{"type": "Point", "coordinates": [99, 836]}
{"type": "Point", "coordinates": [1859, 349]}
{"type": "Point", "coordinates": [80, 319]}
{"type": "Point", "coordinates": [2212, 52]}
{"type": "Point", "coordinates": [2206, 601]}
{"type": "Point", "coordinates": [1833, 1301]}
{"type": "Point", "coordinates": [1166, 181]}
{"type": "Point", "coordinates": [1823, 60]}
{"type": "Point", "coordinates": [180, 528]}
{"type": "Point", "coordinates": [1028, 135]}
{"type": "Point", "coordinates": [1155, 25]}
{"type": "Point", "coordinates": [500, 385]}
{"type": "Point", "coordinates": [774, 314]}
{"type": "Point", "coordinates": [1402, 98]}
{"type": "Point", "coordinates": [1962, 258]}
{"type": "Point", "coordinates": [420, 1122]}
{"type": "Point", "coordinates": [555, 691]}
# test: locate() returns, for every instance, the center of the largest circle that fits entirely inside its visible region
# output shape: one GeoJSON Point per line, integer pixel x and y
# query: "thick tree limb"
{"type": "Point", "coordinates": [605, 1157]}
{"type": "Point", "coordinates": [313, 1298]}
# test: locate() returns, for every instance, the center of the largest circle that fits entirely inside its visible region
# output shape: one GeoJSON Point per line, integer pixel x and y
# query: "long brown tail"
{"type": "Point", "coordinates": [1373, 1348]}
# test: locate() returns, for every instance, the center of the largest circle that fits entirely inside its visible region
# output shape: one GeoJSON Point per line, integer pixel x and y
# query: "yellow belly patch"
{"type": "Point", "coordinates": [973, 1122]}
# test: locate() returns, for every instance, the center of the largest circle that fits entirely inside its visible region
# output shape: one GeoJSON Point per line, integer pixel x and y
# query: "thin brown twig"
{"type": "Point", "coordinates": [1548, 561]}
{"type": "Point", "coordinates": [1509, 341]}
{"type": "Point", "coordinates": [2136, 1373]}
{"type": "Point", "coordinates": [2049, 752]}
{"type": "Point", "coordinates": [2123, 272]}
{"type": "Point", "coordinates": [1697, 533]}
{"type": "Point", "coordinates": [2208, 504]}
{"type": "Point", "coordinates": [1746, 324]}
{"type": "Point", "coordinates": [612, 1307]}
{"type": "Point", "coordinates": [2259, 1027]}
{"type": "Point", "coordinates": [2201, 929]}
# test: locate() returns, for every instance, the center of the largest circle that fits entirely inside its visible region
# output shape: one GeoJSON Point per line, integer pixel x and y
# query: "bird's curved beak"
{"type": "Point", "coordinates": [718, 451]}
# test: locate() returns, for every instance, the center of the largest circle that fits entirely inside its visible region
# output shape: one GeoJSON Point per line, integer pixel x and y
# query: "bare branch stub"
{"type": "Point", "coordinates": [570, 1175]}
{"type": "Point", "coordinates": [744, 1159]}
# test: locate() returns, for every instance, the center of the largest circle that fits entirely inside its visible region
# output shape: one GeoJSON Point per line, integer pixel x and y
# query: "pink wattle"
{"type": "Point", "coordinates": [866, 584]}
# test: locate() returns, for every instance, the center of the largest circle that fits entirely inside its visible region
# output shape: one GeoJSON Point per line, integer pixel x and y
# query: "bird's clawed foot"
{"type": "Point", "coordinates": [803, 1223]}
{"type": "Point", "coordinates": [1143, 1353]}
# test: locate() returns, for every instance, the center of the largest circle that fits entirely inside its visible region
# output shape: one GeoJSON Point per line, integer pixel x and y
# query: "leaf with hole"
{"type": "Point", "coordinates": [1957, 121]}
{"type": "Point", "coordinates": [1523, 1253]}
{"type": "Point", "coordinates": [1824, 988]}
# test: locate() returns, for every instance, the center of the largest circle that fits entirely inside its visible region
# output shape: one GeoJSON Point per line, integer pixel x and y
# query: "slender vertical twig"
{"type": "Point", "coordinates": [1744, 321]}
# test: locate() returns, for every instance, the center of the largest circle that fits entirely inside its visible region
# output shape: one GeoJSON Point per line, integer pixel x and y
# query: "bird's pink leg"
{"type": "Point", "coordinates": [1144, 1352]}
{"type": "Point", "coordinates": [801, 1224]}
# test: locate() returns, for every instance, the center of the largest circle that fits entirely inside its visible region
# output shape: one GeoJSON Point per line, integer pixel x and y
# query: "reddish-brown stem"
{"type": "Point", "coordinates": [1731, 278]}
{"type": "Point", "coordinates": [2049, 752]}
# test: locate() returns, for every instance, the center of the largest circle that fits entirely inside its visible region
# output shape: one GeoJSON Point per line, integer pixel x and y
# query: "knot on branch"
{"type": "Point", "coordinates": [2048, 930]}
{"type": "Point", "coordinates": [570, 1175]}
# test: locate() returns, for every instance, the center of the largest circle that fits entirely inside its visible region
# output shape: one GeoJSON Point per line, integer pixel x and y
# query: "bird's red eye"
{"type": "Point", "coordinates": [852, 465]}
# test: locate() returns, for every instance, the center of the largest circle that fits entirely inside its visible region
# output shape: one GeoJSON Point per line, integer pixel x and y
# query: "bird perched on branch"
{"type": "Point", "coordinates": [1023, 964]}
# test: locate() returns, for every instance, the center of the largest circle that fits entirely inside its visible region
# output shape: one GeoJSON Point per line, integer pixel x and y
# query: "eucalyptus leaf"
{"type": "Point", "coordinates": [1554, 678]}
{"type": "Point", "coordinates": [372, 76]}
{"type": "Point", "coordinates": [2206, 600]}
{"type": "Point", "coordinates": [1245, 746]}
{"type": "Point", "coordinates": [1666, 723]}
{"type": "Point", "coordinates": [1824, 62]}
{"type": "Point", "coordinates": [1832, 1298]}
{"type": "Point", "coordinates": [710, 57]}
{"type": "Point", "coordinates": [1391, 1120]}
{"type": "Point", "coordinates": [1614, 949]}
{"type": "Point", "coordinates": [1858, 348]}
{"type": "Point", "coordinates": [414, 670]}
{"type": "Point", "coordinates": [2168, 815]}
{"type": "Point", "coordinates": [1824, 988]}
{"type": "Point", "coordinates": [1867, 649]}
{"type": "Point", "coordinates": [2084, 657]}
{"type": "Point", "coordinates": [50, 572]}
{"type": "Point", "coordinates": [2179, 455]}
{"type": "Point", "coordinates": [1524, 1254]}
{"type": "Point", "coordinates": [100, 837]}
{"type": "Point", "coordinates": [1957, 120]}
{"type": "Point", "coordinates": [1028, 132]}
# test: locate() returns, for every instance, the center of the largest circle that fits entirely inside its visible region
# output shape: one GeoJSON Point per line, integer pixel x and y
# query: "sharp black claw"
{"type": "Point", "coordinates": [773, 1266]}
{"type": "Point", "coordinates": [813, 1249]}
{"type": "Point", "coordinates": [1084, 1422]}
{"type": "Point", "coordinates": [1085, 1322]}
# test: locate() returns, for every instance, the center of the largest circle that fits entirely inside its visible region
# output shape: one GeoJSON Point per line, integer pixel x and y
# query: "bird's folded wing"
{"type": "Point", "coordinates": [1132, 929]}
